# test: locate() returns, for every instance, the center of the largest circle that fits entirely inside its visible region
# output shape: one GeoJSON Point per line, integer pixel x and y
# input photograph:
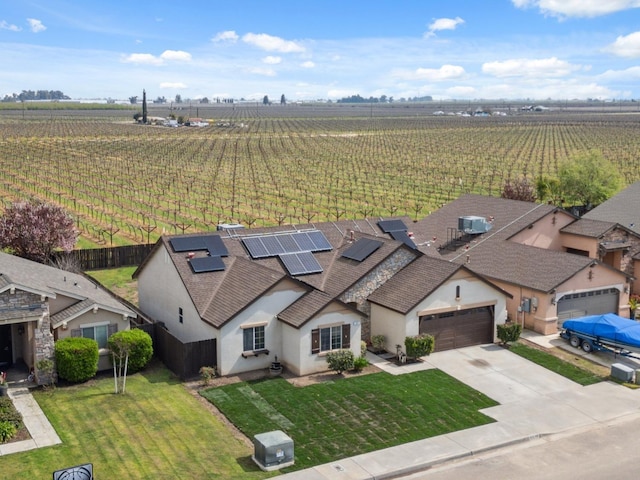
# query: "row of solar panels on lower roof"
{"type": "Point", "coordinates": [300, 263]}
{"type": "Point", "coordinates": [265, 246]}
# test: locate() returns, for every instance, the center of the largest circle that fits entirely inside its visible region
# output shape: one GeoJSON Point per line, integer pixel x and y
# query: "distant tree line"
{"type": "Point", "coordinates": [359, 99]}
{"type": "Point", "coordinates": [36, 95]}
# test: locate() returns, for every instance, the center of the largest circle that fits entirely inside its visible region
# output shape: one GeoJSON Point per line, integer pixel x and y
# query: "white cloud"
{"type": "Point", "coordinates": [266, 72]}
{"type": "Point", "coordinates": [166, 56]}
{"type": "Point", "coordinates": [443, 24]}
{"type": "Point", "coordinates": [227, 36]}
{"type": "Point", "coordinates": [7, 26]}
{"type": "Point", "coordinates": [143, 58]}
{"type": "Point", "coordinates": [578, 8]}
{"type": "Point", "coordinates": [626, 46]}
{"type": "Point", "coordinates": [176, 55]}
{"type": "Point", "coordinates": [271, 60]}
{"type": "Point", "coordinates": [36, 25]}
{"type": "Point", "coordinates": [173, 85]}
{"type": "Point", "coordinates": [632, 73]}
{"type": "Point", "coordinates": [526, 67]}
{"type": "Point", "coordinates": [445, 72]}
{"type": "Point", "coordinates": [271, 43]}
{"type": "Point", "coordinates": [308, 64]}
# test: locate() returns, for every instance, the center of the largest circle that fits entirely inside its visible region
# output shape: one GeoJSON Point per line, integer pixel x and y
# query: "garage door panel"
{"type": "Point", "coordinates": [596, 302]}
{"type": "Point", "coordinates": [460, 328]}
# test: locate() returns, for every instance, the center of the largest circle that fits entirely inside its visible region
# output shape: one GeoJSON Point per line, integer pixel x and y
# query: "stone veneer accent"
{"type": "Point", "coordinates": [368, 284]}
{"type": "Point", "coordinates": [24, 306]}
{"type": "Point", "coordinates": [621, 236]}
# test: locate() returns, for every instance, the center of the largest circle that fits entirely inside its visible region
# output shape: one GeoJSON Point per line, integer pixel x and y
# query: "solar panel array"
{"type": "Point", "coordinates": [212, 243]}
{"type": "Point", "coordinates": [300, 263]}
{"type": "Point", "coordinates": [284, 243]}
{"type": "Point", "coordinates": [361, 249]}
{"type": "Point", "coordinates": [398, 231]}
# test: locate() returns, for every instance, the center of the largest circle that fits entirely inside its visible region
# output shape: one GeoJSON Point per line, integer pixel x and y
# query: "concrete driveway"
{"type": "Point", "coordinates": [534, 402]}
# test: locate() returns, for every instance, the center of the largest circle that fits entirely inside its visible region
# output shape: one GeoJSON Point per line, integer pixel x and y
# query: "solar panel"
{"type": "Point", "coordinates": [206, 264]}
{"type": "Point", "coordinates": [187, 244]}
{"type": "Point", "coordinates": [403, 237]}
{"type": "Point", "coordinates": [320, 242]}
{"type": "Point", "coordinates": [289, 243]}
{"type": "Point", "coordinates": [388, 226]}
{"type": "Point", "coordinates": [216, 246]}
{"type": "Point", "coordinates": [256, 247]}
{"type": "Point", "coordinates": [273, 245]}
{"type": "Point", "coordinates": [362, 249]}
{"type": "Point", "coordinates": [301, 263]}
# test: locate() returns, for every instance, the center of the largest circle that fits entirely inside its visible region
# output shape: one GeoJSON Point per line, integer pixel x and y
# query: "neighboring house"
{"type": "Point", "coordinates": [521, 248]}
{"type": "Point", "coordinates": [444, 299]}
{"type": "Point", "coordinates": [40, 304]}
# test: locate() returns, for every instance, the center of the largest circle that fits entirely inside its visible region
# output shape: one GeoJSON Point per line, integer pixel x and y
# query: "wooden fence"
{"type": "Point", "coordinates": [183, 359]}
{"type": "Point", "coordinates": [108, 257]}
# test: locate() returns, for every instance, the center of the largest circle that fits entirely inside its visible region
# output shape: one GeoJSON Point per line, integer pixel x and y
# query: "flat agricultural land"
{"type": "Point", "coordinates": [266, 165]}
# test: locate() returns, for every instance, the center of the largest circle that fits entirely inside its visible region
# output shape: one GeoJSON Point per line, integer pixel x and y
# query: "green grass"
{"type": "Point", "coordinates": [352, 416]}
{"type": "Point", "coordinates": [557, 365]}
{"type": "Point", "coordinates": [157, 430]}
{"type": "Point", "coordinates": [119, 281]}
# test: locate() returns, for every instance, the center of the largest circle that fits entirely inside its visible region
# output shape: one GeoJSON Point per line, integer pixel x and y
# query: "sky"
{"type": "Point", "coordinates": [322, 49]}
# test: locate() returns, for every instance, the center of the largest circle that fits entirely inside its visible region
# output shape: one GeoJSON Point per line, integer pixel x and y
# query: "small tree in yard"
{"type": "Point", "coordinates": [520, 189]}
{"type": "Point", "coordinates": [340, 360]}
{"type": "Point", "coordinates": [131, 350]}
{"type": "Point", "coordinates": [33, 230]}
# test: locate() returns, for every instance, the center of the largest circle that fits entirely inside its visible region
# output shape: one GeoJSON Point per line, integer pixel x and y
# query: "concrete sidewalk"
{"type": "Point", "coordinates": [534, 403]}
{"type": "Point", "coordinates": [41, 431]}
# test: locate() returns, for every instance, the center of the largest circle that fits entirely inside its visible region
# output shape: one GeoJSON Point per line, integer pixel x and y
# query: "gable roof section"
{"type": "Point", "coordinates": [586, 227]}
{"type": "Point", "coordinates": [306, 307]}
{"type": "Point", "coordinates": [622, 208]}
{"type": "Point", "coordinates": [49, 281]}
{"type": "Point", "coordinates": [414, 283]}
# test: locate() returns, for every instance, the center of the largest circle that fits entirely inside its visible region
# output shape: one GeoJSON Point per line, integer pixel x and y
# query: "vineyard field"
{"type": "Point", "coordinates": [127, 183]}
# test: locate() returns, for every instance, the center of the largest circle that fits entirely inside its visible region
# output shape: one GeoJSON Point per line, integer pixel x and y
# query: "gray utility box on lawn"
{"type": "Point", "coordinates": [622, 372]}
{"type": "Point", "coordinates": [272, 450]}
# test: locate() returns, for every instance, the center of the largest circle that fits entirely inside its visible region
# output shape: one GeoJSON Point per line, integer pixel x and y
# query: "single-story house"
{"type": "Point", "coordinates": [40, 304]}
{"type": "Point", "coordinates": [521, 247]}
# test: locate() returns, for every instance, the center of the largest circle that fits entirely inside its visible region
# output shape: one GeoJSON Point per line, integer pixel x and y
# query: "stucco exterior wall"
{"type": "Point", "coordinates": [161, 294]}
{"type": "Point", "coordinates": [296, 353]}
{"type": "Point", "coordinates": [263, 311]}
{"type": "Point", "coordinates": [473, 293]}
{"type": "Point", "coordinates": [545, 233]}
{"type": "Point", "coordinates": [579, 242]}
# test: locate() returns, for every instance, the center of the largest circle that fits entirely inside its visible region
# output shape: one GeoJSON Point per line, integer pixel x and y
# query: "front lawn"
{"type": "Point", "coordinates": [347, 417]}
{"type": "Point", "coordinates": [157, 430]}
{"type": "Point", "coordinates": [580, 375]}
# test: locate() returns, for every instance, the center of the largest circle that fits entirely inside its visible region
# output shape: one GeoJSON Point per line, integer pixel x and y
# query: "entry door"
{"type": "Point", "coordinates": [6, 354]}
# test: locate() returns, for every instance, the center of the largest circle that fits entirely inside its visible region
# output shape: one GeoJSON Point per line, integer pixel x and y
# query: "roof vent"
{"type": "Point", "coordinates": [472, 225]}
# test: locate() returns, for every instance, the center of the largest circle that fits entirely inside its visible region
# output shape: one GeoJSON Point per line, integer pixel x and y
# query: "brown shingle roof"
{"type": "Point", "coordinates": [305, 308]}
{"type": "Point", "coordinates": [622, 208]}
{"type": "Point", "coordinates": [414, 283]}
{"type": "Point", "coordinates": [588, 228]}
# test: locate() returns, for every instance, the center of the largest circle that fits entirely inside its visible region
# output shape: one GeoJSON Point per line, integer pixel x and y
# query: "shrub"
{"type": "Point", "coordinates": [340, 360]}
{"type": "Point", "coordinates": [76, 358]}
{"type": "Point", "coordinates": [208, 374]}
{"type": "Point", "coordinates": [137, 342]}
{"type": "Point", "coordinates": [377, 342]}
{"type": "Point", "coordinates": [419, 345]}
{"type": "Point", "coordinates": [7, 431]}
{"type": "Point", "coordinates": [509, 332]}
{"type": "Point", "coordinates": [359, 363]}
{"type": "Point", "coordinates": [363, 348]}
{"type": "Point", "coordinates": [8, 412]}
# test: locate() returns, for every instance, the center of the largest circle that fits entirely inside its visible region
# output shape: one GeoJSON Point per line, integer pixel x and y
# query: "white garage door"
{"type": "Point", "coordinates": [581, 304]}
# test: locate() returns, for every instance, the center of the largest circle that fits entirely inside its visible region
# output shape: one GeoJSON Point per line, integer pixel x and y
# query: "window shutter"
{"type": "Point", "coordinates": [346, 336]}
{"type": "Point", "coordinates": [315, 341]}
{"type": "Point", "coordinates": [113, 328]}
{"type": "Point", "coordinates": [76, 332]}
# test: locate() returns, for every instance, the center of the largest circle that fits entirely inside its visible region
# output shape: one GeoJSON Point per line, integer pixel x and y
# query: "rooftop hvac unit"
{"type": "Point", "coordinates": [272, 450]}
{"type": "Point", "coordinates": [229, 226]}
{"type": "Point", "coordinates": [474, 225]}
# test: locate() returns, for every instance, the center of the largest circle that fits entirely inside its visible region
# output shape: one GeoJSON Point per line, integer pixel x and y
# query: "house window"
{"type": "Point", "coordinates": [180, 315]}
{"type": "Point", "coordinates": [99, 333]}
{"type": "Point", "coordinates": [457, 291]}
{"type": "Point", "coordinates": [330, 338]}
{"type": "Point", "coordinates": [253, 338]}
